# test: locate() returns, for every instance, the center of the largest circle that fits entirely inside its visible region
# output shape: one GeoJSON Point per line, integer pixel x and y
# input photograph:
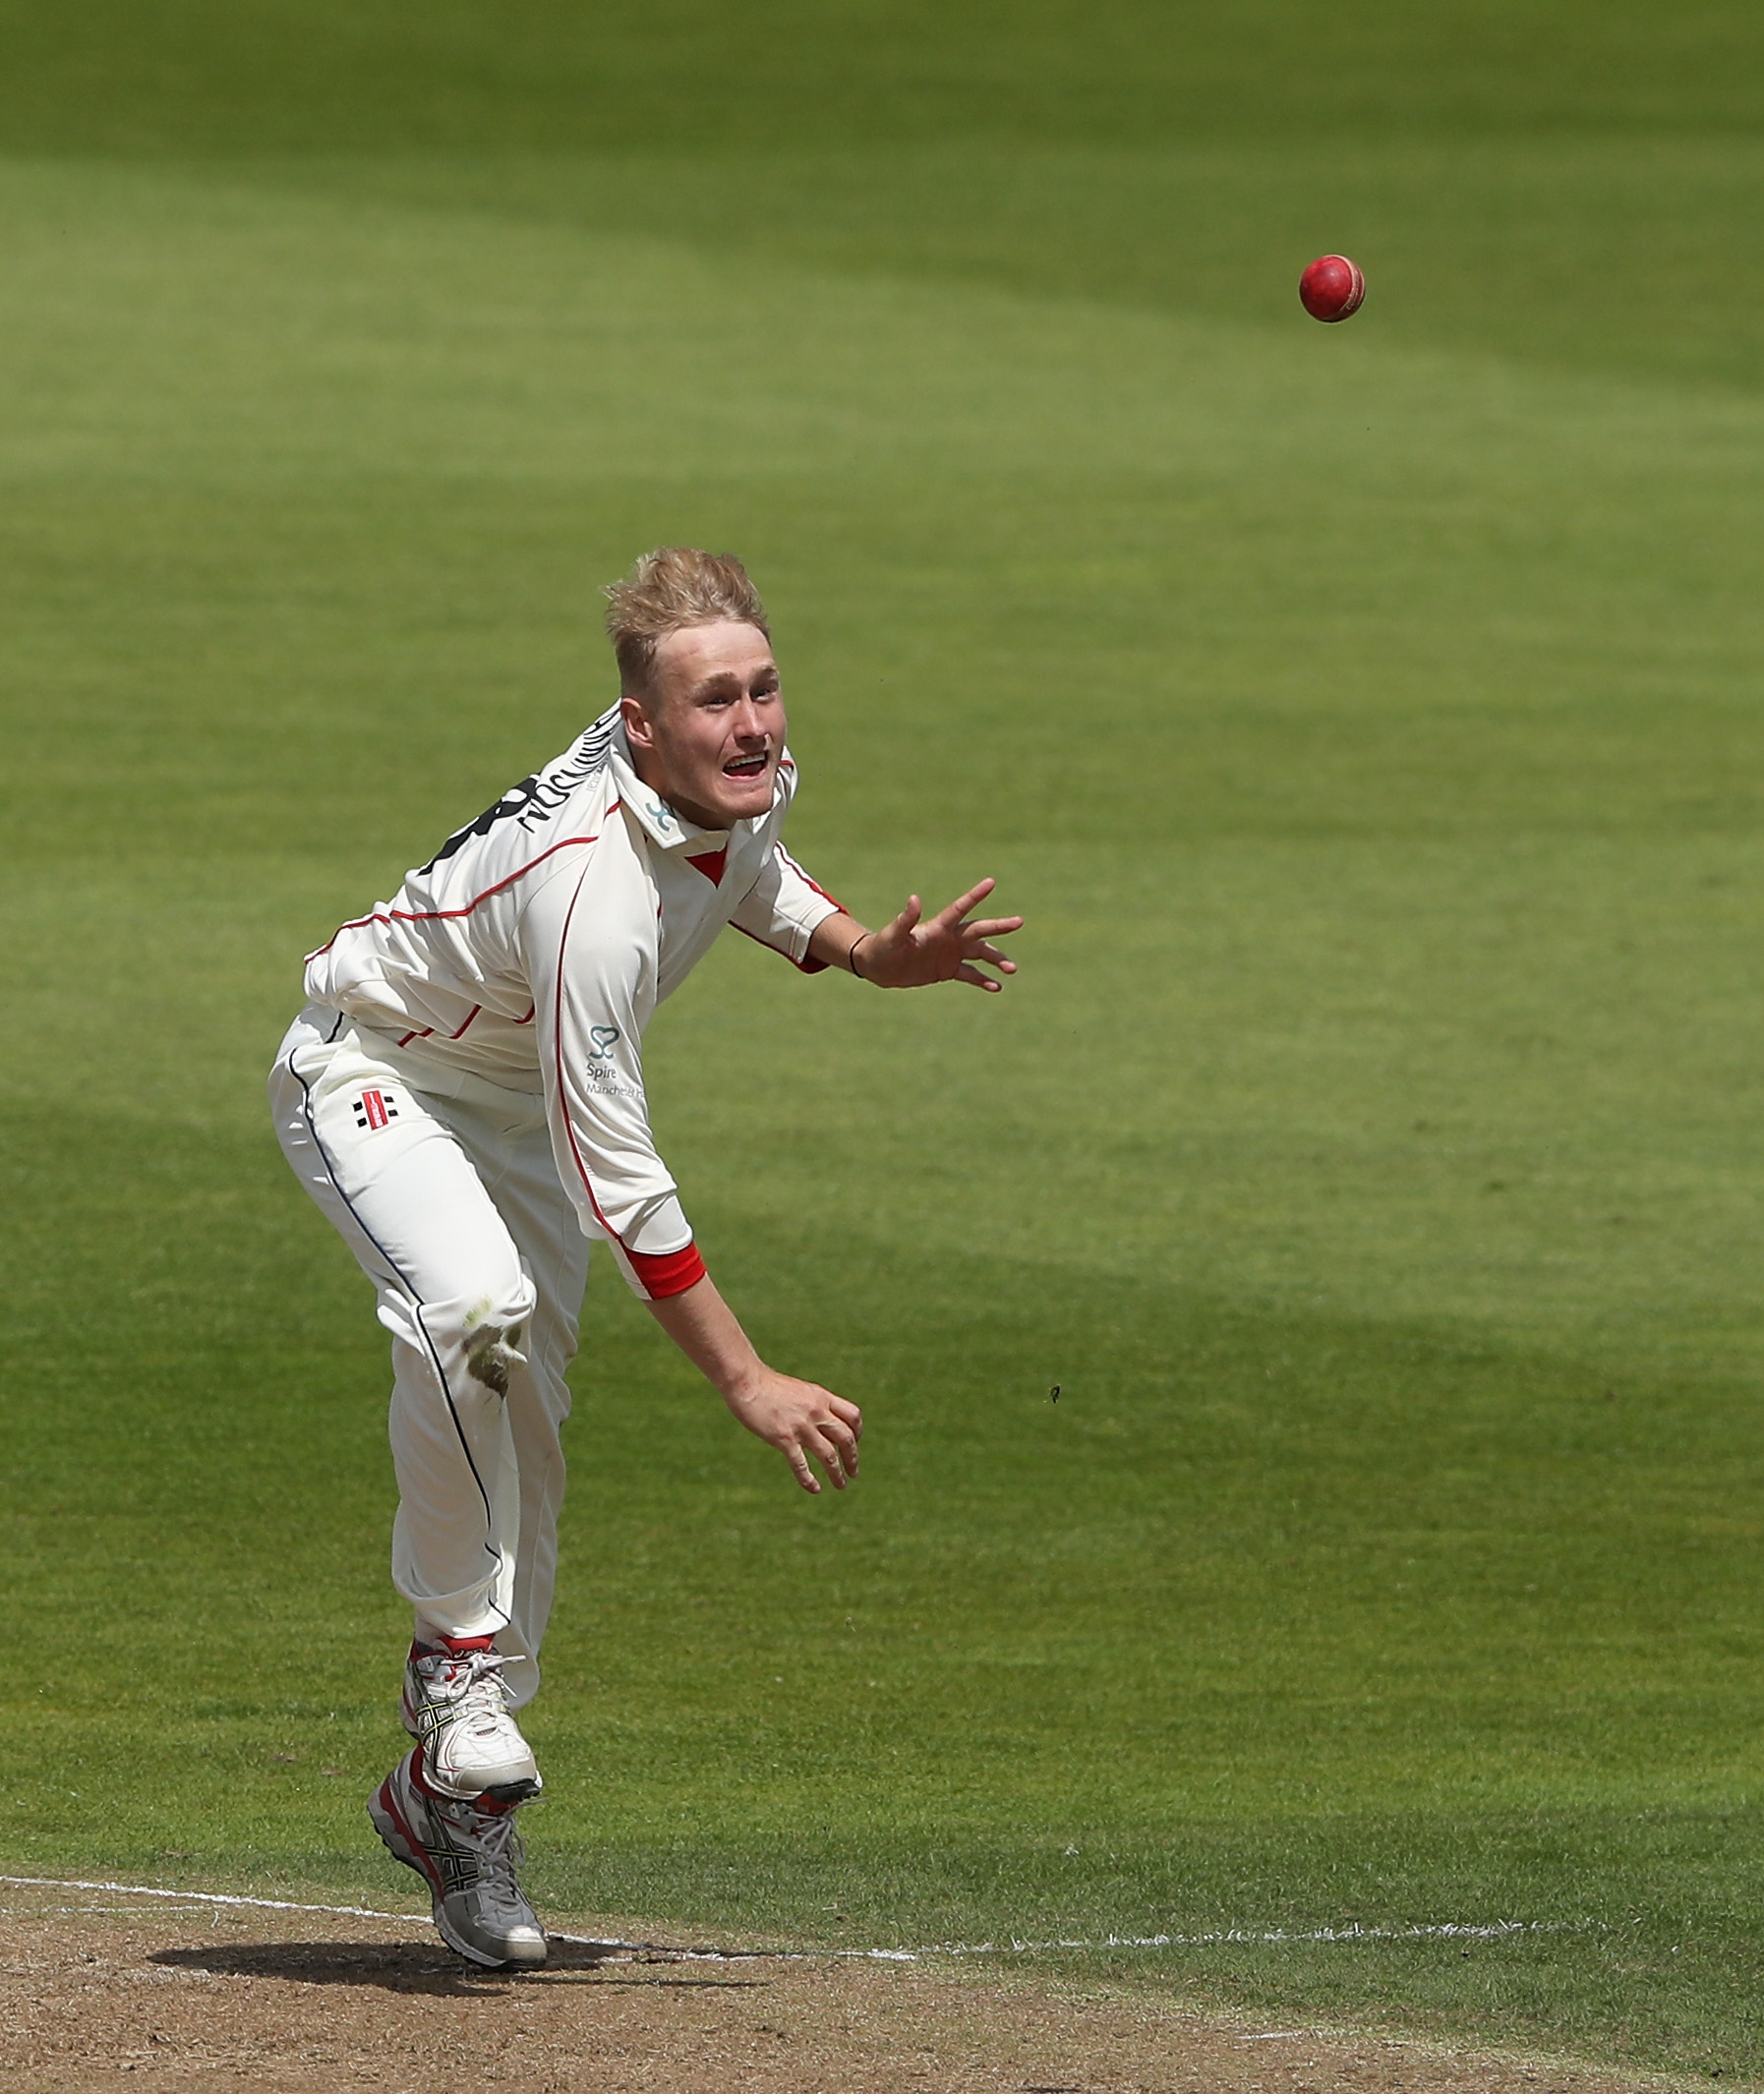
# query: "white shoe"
{"type": "Point", "coordinates": [468, 1857]}
{"type": "Point", "coordinates": [457, 1707]}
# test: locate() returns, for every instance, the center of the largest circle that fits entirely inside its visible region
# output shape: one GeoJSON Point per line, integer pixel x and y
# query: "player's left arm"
{"type": "Point", "coordinates": [916, 950]}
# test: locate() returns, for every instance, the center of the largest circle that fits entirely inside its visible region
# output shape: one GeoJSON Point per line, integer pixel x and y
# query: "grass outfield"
{"type": "Point", "coordinates": [1365, 718]}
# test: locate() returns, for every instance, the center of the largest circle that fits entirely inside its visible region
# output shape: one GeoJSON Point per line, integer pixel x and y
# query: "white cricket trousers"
{"type": "Point", "coordinates": [454, 1207]}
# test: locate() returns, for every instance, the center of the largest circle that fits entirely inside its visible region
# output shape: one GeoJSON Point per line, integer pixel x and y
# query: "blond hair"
{"type": "Point", "coordinates": [667, 591]}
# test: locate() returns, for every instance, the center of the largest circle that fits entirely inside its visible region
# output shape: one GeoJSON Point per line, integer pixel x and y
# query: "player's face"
{"type": "Point", "coordinates": [709, 732]}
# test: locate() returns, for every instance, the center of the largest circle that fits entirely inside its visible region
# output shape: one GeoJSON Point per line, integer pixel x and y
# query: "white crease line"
{"type": "Point", "coordinates": [283, 1904]}
{"type": "Point", "coordinates": [202, 1897]}
{"type": "Point", "coordinates": [1450, 1930]}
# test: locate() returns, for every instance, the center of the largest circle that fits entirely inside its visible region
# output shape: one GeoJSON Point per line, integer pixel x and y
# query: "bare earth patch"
{"type": "Point", "coordinates": [97, 1993]}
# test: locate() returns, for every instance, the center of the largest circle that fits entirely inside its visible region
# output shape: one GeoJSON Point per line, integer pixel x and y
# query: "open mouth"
{"type": "Point", "coordinates": [746, 766]}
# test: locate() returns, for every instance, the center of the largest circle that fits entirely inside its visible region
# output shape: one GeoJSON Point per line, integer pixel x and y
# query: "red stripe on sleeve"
{"type": "Point", "coordinates": [785, 858]}
{"type": "Point", "coordinates": [672, 1272]}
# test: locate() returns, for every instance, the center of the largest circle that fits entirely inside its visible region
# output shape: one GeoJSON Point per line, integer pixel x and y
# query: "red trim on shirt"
{"type": "Point", "coordinates": [815, 884]}
{"type": "Point", "coordinates": [470, 1015]}
{"type": "Point", "coordinates": [639, 1259]}
{"type": "Point", "coordinates": [557, 1051]}
{"type": "Point", "coordinates": [435, 916]}
{"type": "Point", "coordinates": [668, 1272]}
{"type": "Point", "coordinates": [710, 863]}
{"type": "Point", "coordinates": [802, 967]}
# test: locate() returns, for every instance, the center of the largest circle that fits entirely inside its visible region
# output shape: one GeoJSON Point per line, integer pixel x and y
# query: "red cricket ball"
{"type": "Point", "coordinates": [1331, 288]}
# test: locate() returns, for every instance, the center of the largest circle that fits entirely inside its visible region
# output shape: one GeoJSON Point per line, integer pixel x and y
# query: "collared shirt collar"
{"type": "Point", "coordinates": [664, 827]}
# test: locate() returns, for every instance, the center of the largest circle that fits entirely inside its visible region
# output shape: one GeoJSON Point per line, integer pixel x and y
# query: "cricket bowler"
{"type": "Point", "coordinates": [463, 1096]}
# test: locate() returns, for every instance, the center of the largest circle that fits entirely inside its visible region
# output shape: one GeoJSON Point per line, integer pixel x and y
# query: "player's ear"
{"type": "Point", "coordinates": [637, 728]}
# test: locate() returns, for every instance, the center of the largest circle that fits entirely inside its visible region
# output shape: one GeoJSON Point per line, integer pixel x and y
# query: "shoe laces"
{"type": "Point", "coordinates": [473, 1680]}
{"type": "Point", "coordinates": [493, 1843]}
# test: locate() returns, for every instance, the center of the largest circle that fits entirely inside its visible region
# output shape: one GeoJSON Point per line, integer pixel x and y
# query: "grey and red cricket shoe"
{"type": "Point", "coordinates": [469, 1856]}
{"type": "Point", "coordinates": [447, 1809]}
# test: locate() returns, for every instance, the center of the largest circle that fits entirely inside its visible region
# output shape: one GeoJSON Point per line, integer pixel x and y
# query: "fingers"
{"type": "Point", "coordinates": [844, 1443]}
{"type": "Point", "coordinates": [958, 908]}
{"type": "Point", "coordinates": [912, 953]}
{"type": "Point", "coordinates": [839, 1460]}
{"type": "Point", "coordinates": [980, 981]}
{"type": "Point", "coordinates": [834, 1445]}
{"type": "Point", "coordinates": [828, 1434]}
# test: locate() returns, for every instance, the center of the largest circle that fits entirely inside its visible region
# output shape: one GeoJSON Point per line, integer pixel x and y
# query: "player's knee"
{"type": "Point", "coordinates": [492, 1330]}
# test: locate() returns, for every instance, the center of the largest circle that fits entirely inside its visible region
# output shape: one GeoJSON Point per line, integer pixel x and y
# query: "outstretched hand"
{"type": "Point", "coordinates": [910, 952]}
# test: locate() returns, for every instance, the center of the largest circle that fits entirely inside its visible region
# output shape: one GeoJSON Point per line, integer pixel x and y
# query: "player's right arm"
{"type": "Point", "coordinates": [587, 944]}
{"type": "Point", "coordinates": [804, 1421]}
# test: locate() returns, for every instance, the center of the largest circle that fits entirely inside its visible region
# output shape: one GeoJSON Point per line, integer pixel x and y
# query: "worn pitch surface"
{"type": "Point", "coordinates": [95, 1994]}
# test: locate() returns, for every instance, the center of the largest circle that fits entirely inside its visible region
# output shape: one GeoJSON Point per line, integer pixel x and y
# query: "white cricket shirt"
{"type": "Point", "coordinates": [533, 949]}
